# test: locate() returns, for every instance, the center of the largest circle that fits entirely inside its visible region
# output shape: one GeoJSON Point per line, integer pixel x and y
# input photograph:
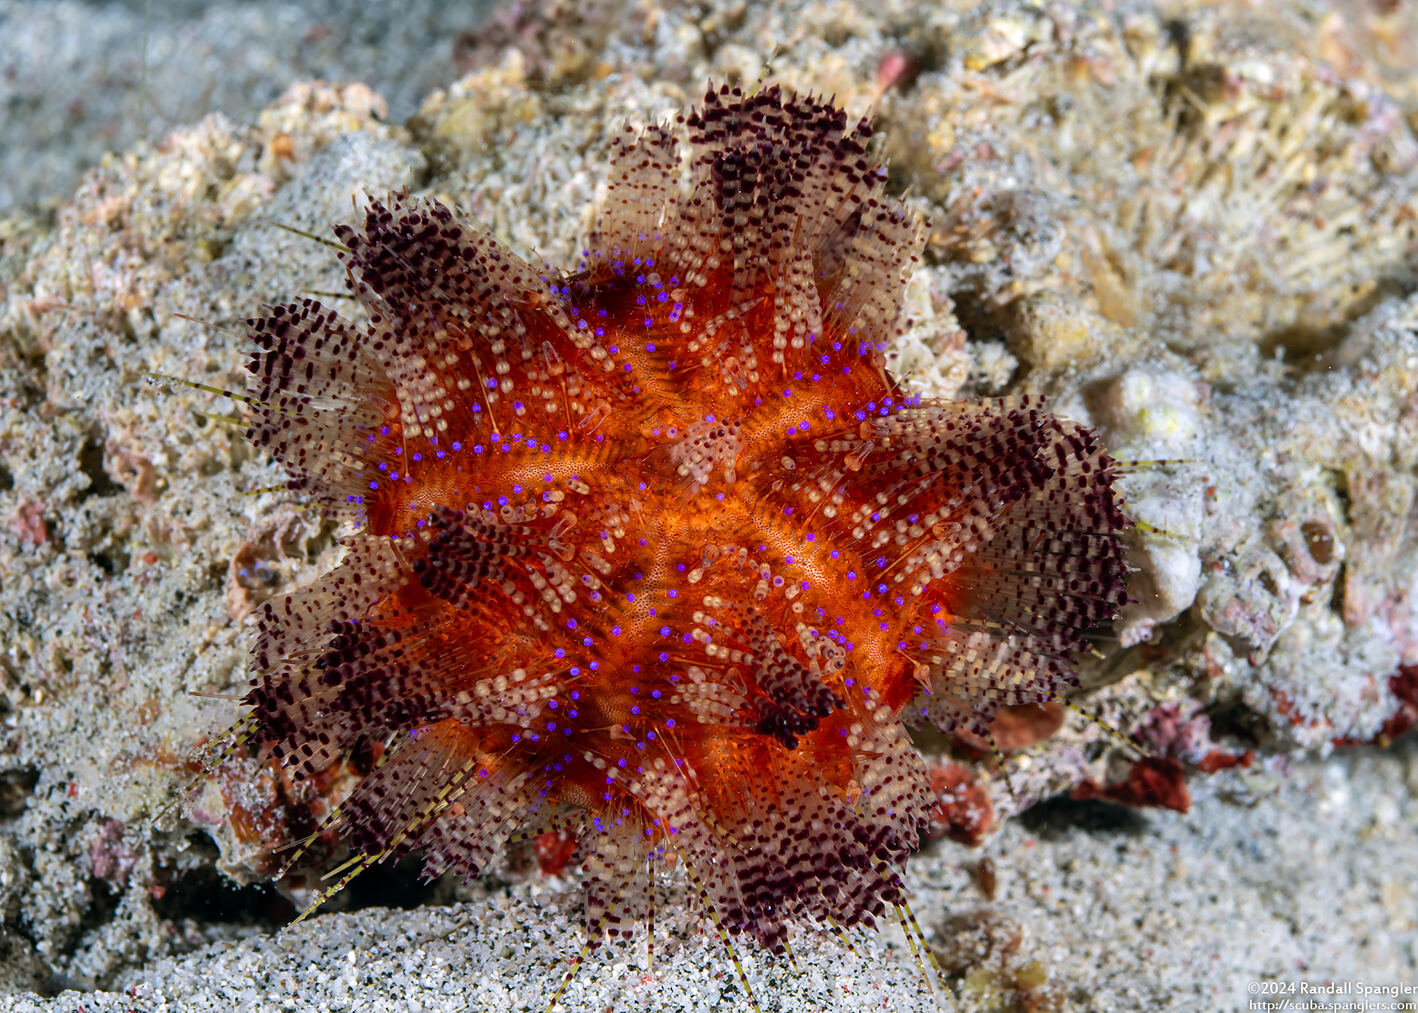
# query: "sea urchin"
{"type": "Point", "coordinates": [657, 551]}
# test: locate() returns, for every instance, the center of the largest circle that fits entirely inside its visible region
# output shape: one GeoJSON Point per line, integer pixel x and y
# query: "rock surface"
{"type": "Point", "coordinates": [1195, 229]}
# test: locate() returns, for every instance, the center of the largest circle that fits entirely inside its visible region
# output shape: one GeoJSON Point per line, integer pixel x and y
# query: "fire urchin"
{"type": "Point", "coordinates": [657, 551]}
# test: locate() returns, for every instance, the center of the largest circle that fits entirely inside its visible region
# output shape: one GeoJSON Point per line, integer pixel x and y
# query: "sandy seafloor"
{"type": "Point", "coordinates": [1116, 911]}
{"type": "Point", "coordinates": [1237, 293]}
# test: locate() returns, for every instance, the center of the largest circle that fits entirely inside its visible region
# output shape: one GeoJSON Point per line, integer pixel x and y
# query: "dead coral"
{"type": "Point", "coordinates": [1181, 176]}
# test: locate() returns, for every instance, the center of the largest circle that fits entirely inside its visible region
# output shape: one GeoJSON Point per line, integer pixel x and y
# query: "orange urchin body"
{"type": "Point", "coordinates": [658, 550]}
